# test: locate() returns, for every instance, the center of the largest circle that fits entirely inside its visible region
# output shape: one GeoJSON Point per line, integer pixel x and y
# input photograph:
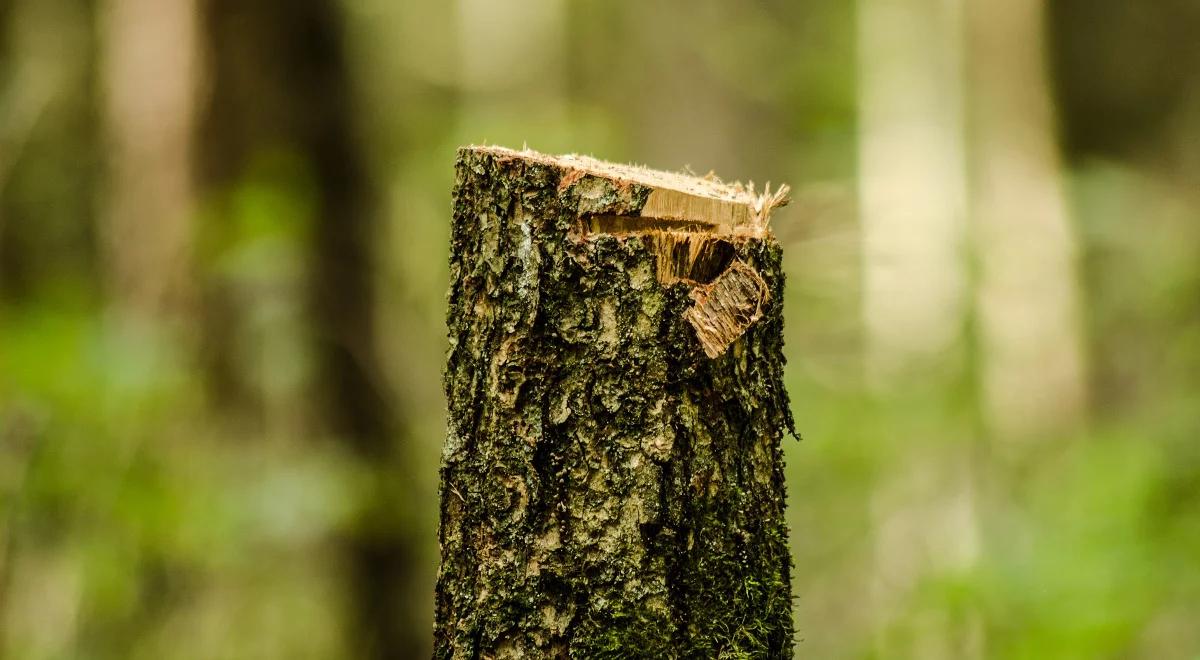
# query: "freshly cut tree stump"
{"type": "Point", "coordinates": [612, 480]}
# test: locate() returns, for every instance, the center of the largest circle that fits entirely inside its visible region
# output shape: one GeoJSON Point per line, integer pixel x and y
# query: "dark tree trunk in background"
{"type": "Point", "coordinates": [49, 147]}
{"type": "Point", "coordinates": [280, 83]}
{"type": "Point", "coordinates": [612, 482]}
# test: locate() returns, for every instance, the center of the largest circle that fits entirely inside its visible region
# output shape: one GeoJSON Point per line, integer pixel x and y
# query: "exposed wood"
{"type": "Point", "coordinates": [725, 309]}
{"type": "Point", "coordinates": [726, 208]}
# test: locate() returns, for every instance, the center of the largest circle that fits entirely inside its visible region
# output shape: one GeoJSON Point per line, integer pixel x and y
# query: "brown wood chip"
{"type": "Point", "coordinates": [727, 307]}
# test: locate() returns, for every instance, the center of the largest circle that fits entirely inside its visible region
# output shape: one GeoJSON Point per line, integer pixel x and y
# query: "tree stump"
{"type": "Point", "coordinates": [612, 479]}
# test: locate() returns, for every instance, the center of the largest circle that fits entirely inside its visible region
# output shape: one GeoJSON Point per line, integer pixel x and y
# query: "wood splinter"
{"type": "Point", "coordinates": [727, 307]}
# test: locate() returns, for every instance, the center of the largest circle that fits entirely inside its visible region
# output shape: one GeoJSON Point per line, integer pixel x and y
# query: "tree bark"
{"type": "Point", "coordinates": [612, 480]}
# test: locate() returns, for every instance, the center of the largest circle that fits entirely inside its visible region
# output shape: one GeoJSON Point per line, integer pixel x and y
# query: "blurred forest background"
{"type": "Point", "coordinates": [223, 244]}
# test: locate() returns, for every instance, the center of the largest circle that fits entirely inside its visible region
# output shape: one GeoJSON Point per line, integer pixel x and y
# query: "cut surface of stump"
{"type": "Point", "coordinates": [612, 480]}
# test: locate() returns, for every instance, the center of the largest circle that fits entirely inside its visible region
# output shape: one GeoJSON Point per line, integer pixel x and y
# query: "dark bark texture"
{"type": "Point", "coordinates": [608, 490]}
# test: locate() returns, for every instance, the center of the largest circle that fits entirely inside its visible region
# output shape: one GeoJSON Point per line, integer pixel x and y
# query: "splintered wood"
{"type": "Point", "coordinates": [727, 307]}
{"type": "Point", "coordinates": [693, 224]}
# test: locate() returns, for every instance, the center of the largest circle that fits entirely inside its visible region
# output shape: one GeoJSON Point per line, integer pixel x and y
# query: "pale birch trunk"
{"type": "Point", "coordinates": [912, 190]}
{"type": "Point", "coordinates": [149, 81]}
{"type": "Point", "coordinates": [913, 197]}
{"type": "Point", "coordinates": [1033, 371]}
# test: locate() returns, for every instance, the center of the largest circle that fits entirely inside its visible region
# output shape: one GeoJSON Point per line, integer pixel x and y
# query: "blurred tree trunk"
{"type": "Point", "coordinates": [149, 73]}
{"type": "Point", "coordinates": [609, 489]}
{"type": "Point", "coordinates": [912, 160]}
{"type": "Point", "coordinates": [49, 132]}
{"type": "Point", "coordinates": [512, 81]}
{"type": "Point", "coordinates": [48, 146]}
{"type": "Point", "coordinates": [1033, 371]}
{"type": "Point", "coordinates": [10, 274]}
{"type": "Point", "coordinates": [280, 83]}
{"type": "Point", "coordinates": [913, 199]}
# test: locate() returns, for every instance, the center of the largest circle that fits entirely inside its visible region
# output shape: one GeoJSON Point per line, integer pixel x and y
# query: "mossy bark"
{"type": "Point", "coordinates": [608, 490]}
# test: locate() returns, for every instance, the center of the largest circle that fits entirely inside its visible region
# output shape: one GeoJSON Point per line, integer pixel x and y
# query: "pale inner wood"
{"type": "Point", "coordinates": [713, 205]}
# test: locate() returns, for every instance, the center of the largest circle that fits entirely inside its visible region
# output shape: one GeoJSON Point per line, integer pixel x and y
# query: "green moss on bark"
{"type": "Point", "coordinates": [608, 491]}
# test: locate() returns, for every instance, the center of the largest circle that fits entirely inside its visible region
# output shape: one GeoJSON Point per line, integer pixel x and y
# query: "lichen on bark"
{"type": "Point", "coordinates": [608, 490]}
